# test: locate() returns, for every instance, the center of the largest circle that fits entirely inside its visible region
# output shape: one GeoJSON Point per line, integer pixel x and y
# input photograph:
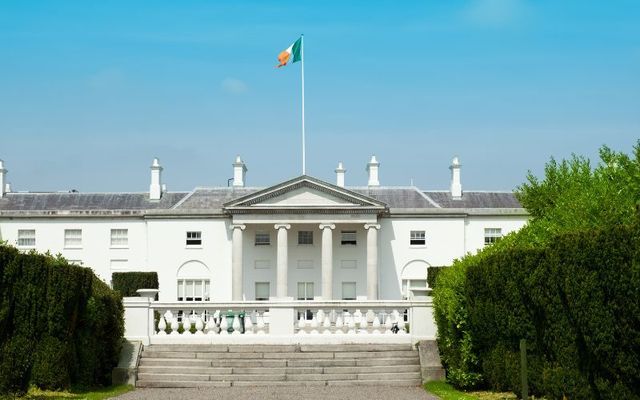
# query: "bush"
{"type": "Point", "coordinates": [432, 275]}
{"type": "Point", "coordinates": [128, 282]}
{"type": "Point", "coordinates": [48, 325]}
{"type": "Point", "coordinates": [571, 300]}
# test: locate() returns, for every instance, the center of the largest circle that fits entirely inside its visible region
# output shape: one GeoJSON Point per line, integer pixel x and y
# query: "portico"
{"type": "Point", "coordinates": [305, 219]}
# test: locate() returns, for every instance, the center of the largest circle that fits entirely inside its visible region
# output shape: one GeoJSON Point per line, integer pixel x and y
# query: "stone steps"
{"type": "Point", "coordinates": [278, 365]}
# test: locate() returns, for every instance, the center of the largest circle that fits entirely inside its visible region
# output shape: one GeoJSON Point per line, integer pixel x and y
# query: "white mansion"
{"type": "Point", "coordinates": [304, 239]}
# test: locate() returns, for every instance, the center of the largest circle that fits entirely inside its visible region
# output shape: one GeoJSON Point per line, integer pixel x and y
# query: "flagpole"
{"type": "Point", "coordinates": [304, 164]}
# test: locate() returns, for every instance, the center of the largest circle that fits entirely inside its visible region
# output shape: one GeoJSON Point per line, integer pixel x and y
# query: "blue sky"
{"type": "Point", "coordinates": [90, 92]}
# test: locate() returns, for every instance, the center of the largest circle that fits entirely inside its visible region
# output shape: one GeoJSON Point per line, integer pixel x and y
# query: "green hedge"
{"type": "Point", "coordinates": [128, 282]}
{"type": "Point", "coordinates": [49, 325]}
{"type": "Point", "coordinates": [576, 303]}
{"type": "Point", "coordinates": [432, 275]}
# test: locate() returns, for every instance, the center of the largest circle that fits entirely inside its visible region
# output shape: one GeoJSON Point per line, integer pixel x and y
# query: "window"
{"type": "Point", "coordinates": [193, 289]}
{"type": "Point", "coordinates": [194, 238]}
{"type": "Point", "coordinates": [305, 237]}
{"type": "Point", "coordinates": [492, 235]}
{"type": "Point", "coordinates": [348, 238]}
{"type": "Point", "coordinates": [119, 237]}
{"type": "Point", "coordinates": [72, 238]}
{"type": "Point", "coordinates": [26, 238]}
{"type": "Point", "coordinates": [414, 287]}
{"type": "Point", "coordinates": [262, 290]}
{"type": "Point", "coordinates": [348, 290]}
{"type": "Point", "coordinates": [263, 238]}
{"type": "Point", "coordinates": [305, 290]}
{"type": "Point", "coordinates": [418, 238]}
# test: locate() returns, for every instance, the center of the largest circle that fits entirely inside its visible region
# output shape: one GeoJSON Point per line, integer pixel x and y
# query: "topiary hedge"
{"type": "Point", "coordinates": [432, 275]}
{"type": "Point", "coordinates": [128, 282]}
{"type": "Point", "coordinates": [52, 334]}
{"type": "Point", "coordinates": [574, 300]}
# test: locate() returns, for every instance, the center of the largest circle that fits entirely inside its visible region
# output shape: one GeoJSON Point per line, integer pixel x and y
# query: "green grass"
{"type": "Point", "coordinates": [77, 394]}
{"type": "Point", "coordinates": [446, 392]}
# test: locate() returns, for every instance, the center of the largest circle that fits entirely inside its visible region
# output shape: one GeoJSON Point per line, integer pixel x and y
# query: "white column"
{"type": "Point", "coordinates": [236, 262]}
{"type": "Point", "coordinates": [327, 260]}
{"type": "Point", "coordinates": [372, 261]}
{"type": "Point", "coordinates": [282, 256]}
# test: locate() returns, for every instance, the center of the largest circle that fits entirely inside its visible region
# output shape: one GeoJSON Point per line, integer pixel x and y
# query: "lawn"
{"type": "Point", "coordinates": [446, 392]}
{"type": "Point", "coordinates": [75, 394]}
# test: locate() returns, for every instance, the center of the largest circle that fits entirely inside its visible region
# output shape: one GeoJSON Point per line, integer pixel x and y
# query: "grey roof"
{"type": "Point", "coordinates": [397, 197]}
{"type": "Point", "coordinates": [212, 198]}
{"type": "Point", "coordinates": [86, 201]}
{"type": "Point", "coordinates": [476, 200]}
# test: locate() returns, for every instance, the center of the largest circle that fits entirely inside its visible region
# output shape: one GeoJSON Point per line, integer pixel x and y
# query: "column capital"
{"type": "Point", "coordinates": [325, 226]}
{"type": "Point", "coordinates": [279, 226]}
{"type": "Point", "coordinates": [371, 226]}
{"type": "Point", "coordinates": [237, 226]}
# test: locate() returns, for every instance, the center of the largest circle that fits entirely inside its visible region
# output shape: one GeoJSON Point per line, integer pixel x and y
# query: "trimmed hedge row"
{"type": "Point", "coordinates": [59, 325]}
{"type": "Point", "coordinates": [128, 282]}
{"type": "Point", "coordinates": [576, 303]}
{"type": "Point", "coordinates": [432, 275]}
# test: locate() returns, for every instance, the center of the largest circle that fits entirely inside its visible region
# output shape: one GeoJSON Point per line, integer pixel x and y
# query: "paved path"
{"type": "Point", "coordinates": [283, 393]}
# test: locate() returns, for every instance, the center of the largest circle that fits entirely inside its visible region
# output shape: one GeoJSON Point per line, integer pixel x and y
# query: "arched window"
{"type": "Point", "coordinates": [194, 282]}
{"type": "Point", "coordinates": [414, 279]}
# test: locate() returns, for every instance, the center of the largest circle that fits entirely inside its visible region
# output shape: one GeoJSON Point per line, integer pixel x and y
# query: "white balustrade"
{"type": "Point", "coordinates": [310, 320]}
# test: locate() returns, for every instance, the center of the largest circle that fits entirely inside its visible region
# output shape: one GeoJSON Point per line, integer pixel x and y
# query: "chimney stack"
{"type": "Point", "coordinates": [456, 186]}
{"type": "Point", "coordinates": [340, 175]}
{"type": "Point", "coordinates": [372, 169]}
{"type": "Point", "coordinates": [155, 189]}
{"type": "Point", "coordinates": [239, 172]}
{"type": "Point", "coordinates": [3, 178]}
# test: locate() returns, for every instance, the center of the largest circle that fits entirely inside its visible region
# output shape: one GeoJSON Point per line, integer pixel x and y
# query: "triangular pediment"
{"type": "Point", "coordinates": [304, 193]}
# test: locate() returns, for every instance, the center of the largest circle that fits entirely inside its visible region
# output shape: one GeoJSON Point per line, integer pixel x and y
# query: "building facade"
{"type": "Point", "coordinates": [303, 239]}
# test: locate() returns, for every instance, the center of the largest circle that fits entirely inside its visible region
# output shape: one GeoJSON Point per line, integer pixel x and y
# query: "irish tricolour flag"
{"type": "Point", "coordinates": [293, 53]}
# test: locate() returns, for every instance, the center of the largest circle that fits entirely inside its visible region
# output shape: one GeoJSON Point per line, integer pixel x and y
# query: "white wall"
{"type": "Point", "coordinates": [160, 245]}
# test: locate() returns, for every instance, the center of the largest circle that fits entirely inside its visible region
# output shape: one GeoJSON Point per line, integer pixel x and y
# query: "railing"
{"type": "Point", "coordinates": [212, 321]}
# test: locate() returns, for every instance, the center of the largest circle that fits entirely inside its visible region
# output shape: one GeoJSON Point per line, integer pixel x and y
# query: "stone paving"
{"type": "Point", "coordinates": [283, 393]}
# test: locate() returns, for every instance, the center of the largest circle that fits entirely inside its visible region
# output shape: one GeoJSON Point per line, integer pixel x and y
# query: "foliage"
{"type": "Point", "coordinates": [77, 394]}
{"type": "Point", "coordinates": [47, 327]}
{"type": "Point", "coordinates": [564, 282]}
{"type": "Point", "coordinates": [128, 282]}
{"type": "Point", "coordinates": [432, 275]}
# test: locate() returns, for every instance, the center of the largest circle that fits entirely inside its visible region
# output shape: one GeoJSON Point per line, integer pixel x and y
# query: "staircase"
{"type": "Point", "coordinates": [278, 365]}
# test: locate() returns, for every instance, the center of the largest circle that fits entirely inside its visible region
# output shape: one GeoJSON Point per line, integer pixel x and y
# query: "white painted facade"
{"type": "Point", "coordinates": [157, 237]}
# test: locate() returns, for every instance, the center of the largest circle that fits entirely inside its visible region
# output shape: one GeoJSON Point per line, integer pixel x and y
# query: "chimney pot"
{"type": "Point", "coordinates": [340, 171]}
{"type": "Point", "coordinates": [373, 169]}
{"type": "Point", "coordinates": [456, 185]}
{"type": "Point", "coordinates": [239, 172]}
{"type": "Point", "coordinates": [155, 188]}
{"type": "Point", "coordinates": [3, 177]}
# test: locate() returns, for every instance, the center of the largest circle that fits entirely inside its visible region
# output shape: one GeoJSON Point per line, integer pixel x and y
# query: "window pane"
{"type": "Point", "coordinates": [198, 290]}
{"type": "Point", "coordinates": [72, 237]}
{"type": "Point", "coordinates": [194, 238]}
{"type": "Point", "coordinates": [27, 237]}
{"type": "Point", "coordinates": [348, 238]}
{"type": "Point", "coordinates": [262, 239]}
{"type": "Point", "coordinates": [119, 237]}
{"type": "Point", "coordinates": [417, 238]}
{"type": "Point", "coordinates": [180, 290]}
{"type": "Point", "coordinates": [492, 235]}
{"type": "Point", "coordinates": [300, 290]}
{"type": "Point", "coordinates": [348, 290]}
{"type": "Point", "coordinates": [310, 290]}
{"type": "Point", "coordinates": [305, 237]}
{"type": "Point", "coordinates": [262, 291]}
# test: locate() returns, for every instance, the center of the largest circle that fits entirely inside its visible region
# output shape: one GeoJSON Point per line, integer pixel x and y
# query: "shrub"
{"type": "Point", "coordinates": [128, 282]}
{"type": "Point", "coordinates": [432, 275]}
{"type": "Point", "coordinates": [49, 325]}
